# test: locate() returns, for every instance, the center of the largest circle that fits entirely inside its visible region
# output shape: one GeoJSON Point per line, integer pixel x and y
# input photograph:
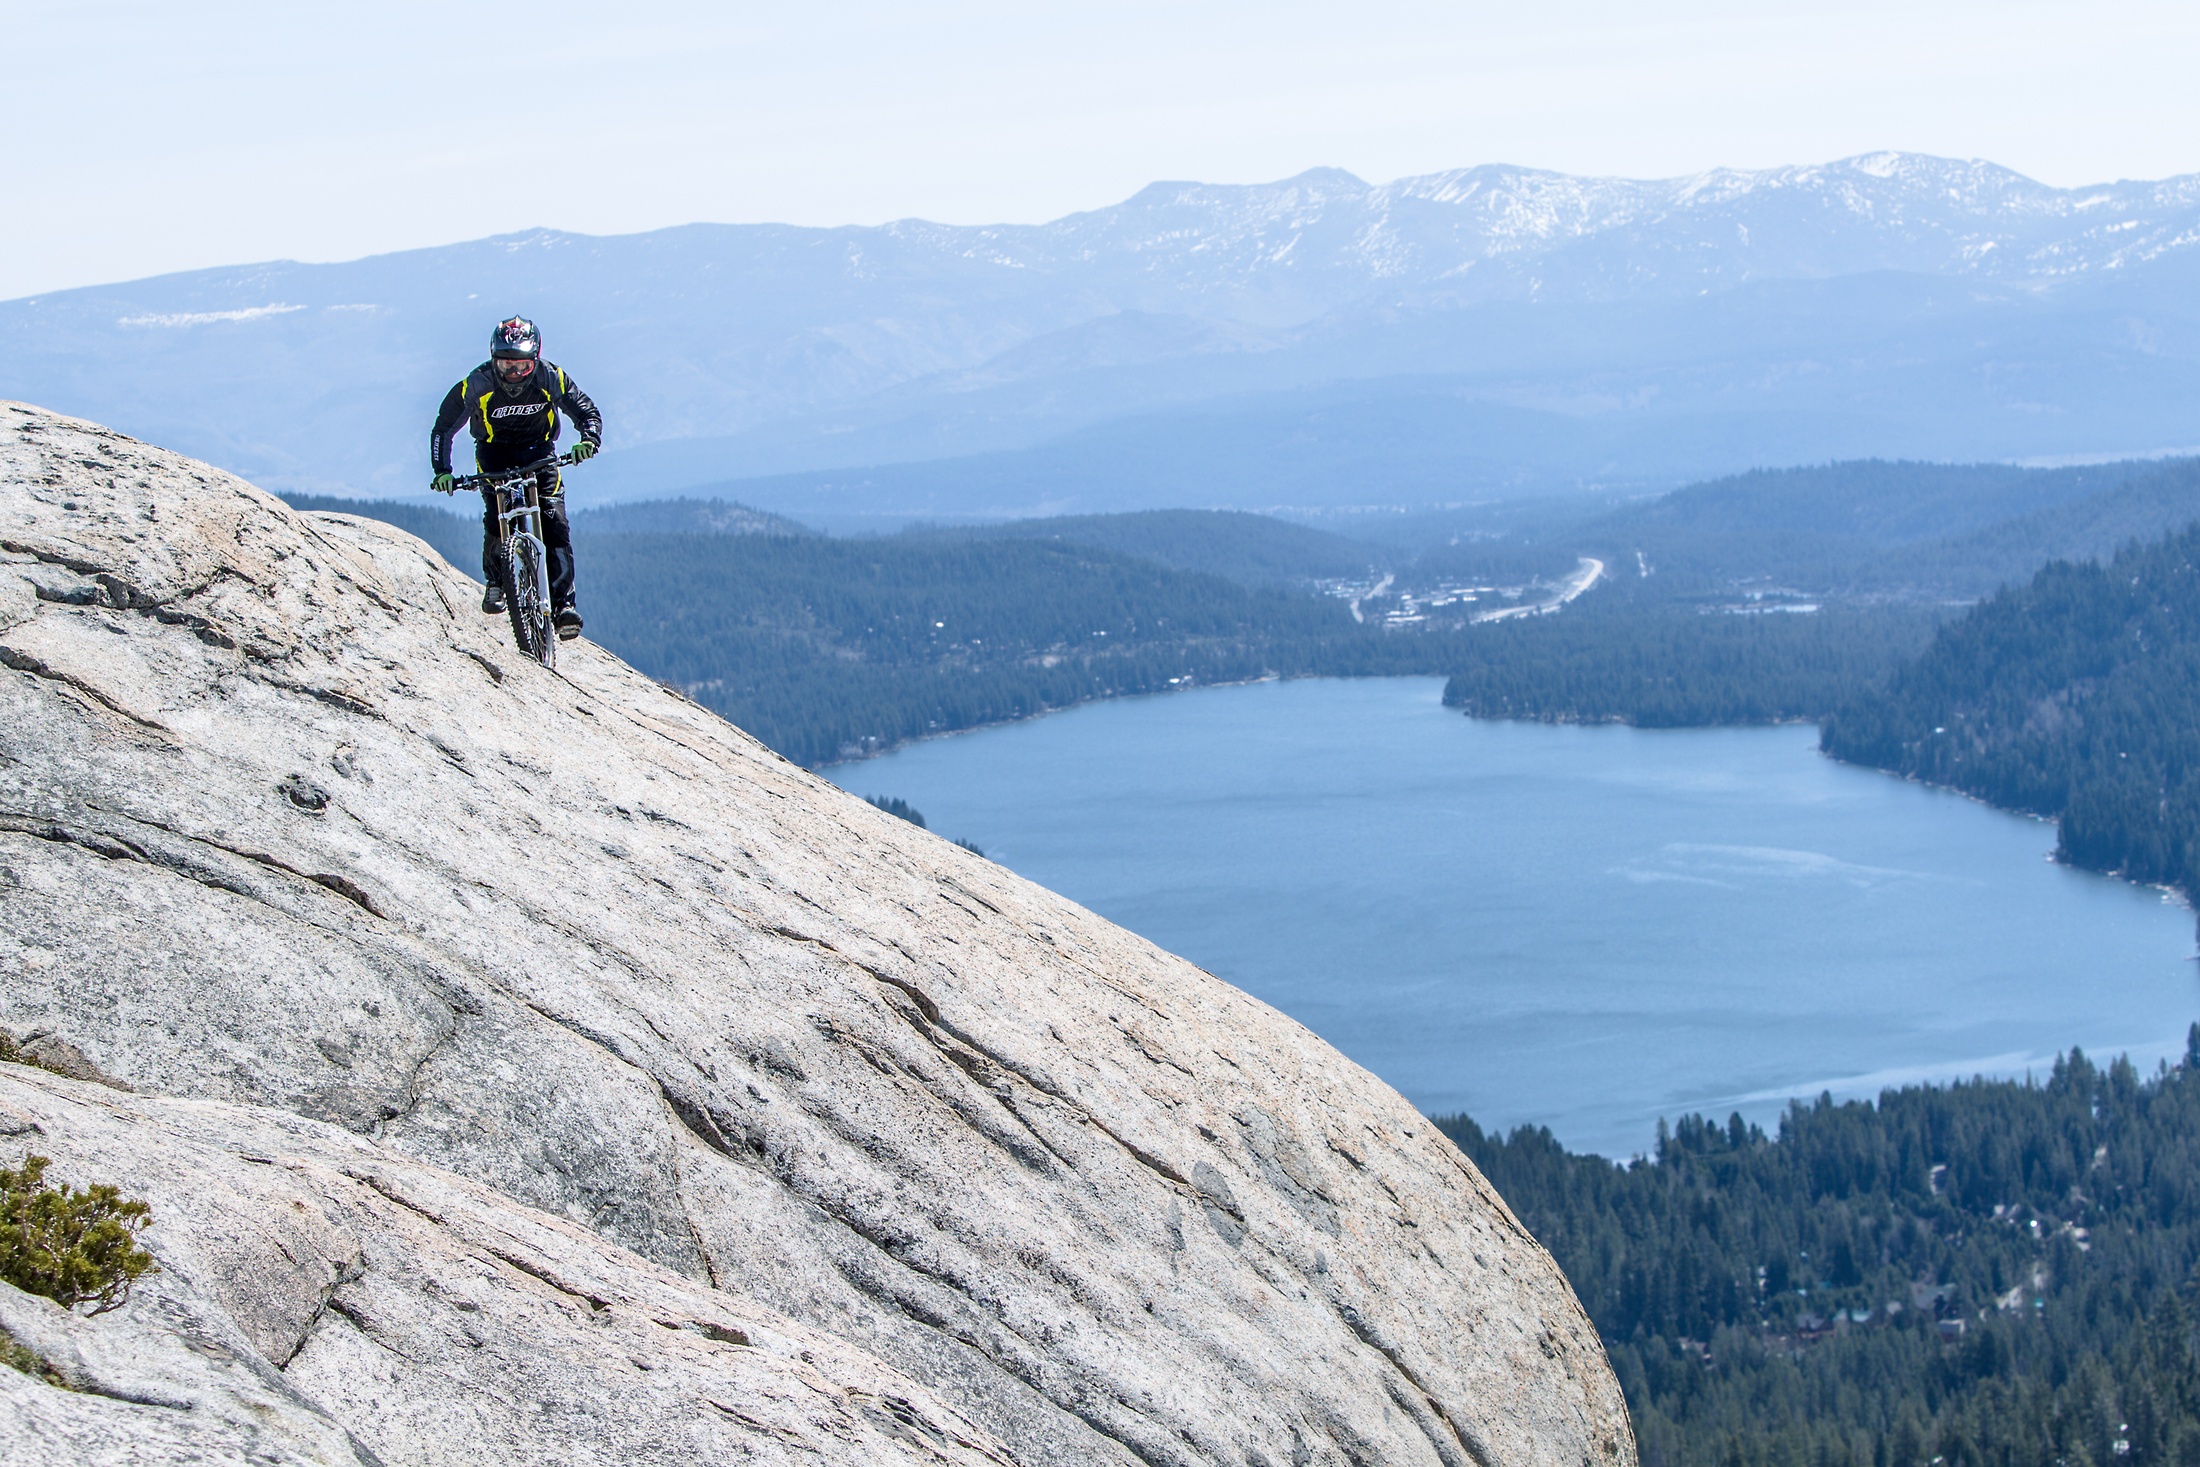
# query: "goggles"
{"type": "Point", "coordinates": [515, 369]}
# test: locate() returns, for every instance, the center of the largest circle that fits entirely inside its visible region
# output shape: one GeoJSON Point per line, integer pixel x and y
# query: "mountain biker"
{"type": "Point", "coordinates": [511, 402]}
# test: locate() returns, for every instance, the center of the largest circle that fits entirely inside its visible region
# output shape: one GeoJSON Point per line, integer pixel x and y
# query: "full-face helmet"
{"type": "Point", "coordinates": [514, 348]}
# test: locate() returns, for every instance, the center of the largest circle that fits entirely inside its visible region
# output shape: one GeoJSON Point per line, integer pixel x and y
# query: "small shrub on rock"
{"type": "Point", "coordinates": [73, 1245]}
{"type": "Point", "coordinates": [12, 1053]}
{"type": "Point", "coordinates": [19, 1356]}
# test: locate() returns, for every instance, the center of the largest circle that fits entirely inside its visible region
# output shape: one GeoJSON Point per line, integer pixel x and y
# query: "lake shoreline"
{"type": "Point", "coordinates": [2168, 893]}
{"type": "Point", "coordinates": [1585, 926]}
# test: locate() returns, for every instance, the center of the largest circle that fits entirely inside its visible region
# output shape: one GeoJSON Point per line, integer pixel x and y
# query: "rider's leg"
{"type": "Point", "coordinates": [492, 598]}
{"type": "Point", "coordinates": [557, 538]}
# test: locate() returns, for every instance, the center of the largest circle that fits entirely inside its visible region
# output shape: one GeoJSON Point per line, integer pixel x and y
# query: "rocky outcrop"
{"type": "Point", "coordinates": [429, 953]}
{"type": "Point", "coordinates": [321, 1300]}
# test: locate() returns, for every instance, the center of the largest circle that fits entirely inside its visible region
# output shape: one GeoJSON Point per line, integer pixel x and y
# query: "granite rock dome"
{"type": "Point", "coordinates": [394, 967]}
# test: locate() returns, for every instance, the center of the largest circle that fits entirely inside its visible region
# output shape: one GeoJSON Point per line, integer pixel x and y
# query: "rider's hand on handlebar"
{"type": "Point", "coordinates": [444, 484]}
{"type": "Point", "coordinates": [583, 451]}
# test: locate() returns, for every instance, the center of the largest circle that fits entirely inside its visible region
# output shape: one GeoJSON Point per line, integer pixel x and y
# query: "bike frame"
{"type": "Point", "coordinates": [519, 518]}
{"type": "Point", "coordinates": [524, 512]}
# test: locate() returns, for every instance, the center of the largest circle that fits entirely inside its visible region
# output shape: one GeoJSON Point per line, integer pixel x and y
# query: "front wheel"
{"type": "Point", "coordinates": [526, 576]}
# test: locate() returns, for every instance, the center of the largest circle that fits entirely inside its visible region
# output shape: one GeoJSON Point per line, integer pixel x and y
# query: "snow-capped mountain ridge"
{"type": "Point", "coordinates": [869, 344]}
{"type": "Point", "coordinates": [1876, 211]}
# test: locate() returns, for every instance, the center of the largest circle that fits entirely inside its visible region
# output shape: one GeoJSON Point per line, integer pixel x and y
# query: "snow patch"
{"type": "Point", "coordinates": [207, 318]}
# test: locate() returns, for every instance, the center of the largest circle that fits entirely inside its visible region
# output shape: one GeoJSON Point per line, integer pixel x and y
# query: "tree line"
{"type": "Point", "coordinates": [2071, 696]}
{"type": "Point", "coordinates": [1668, 668]}
{"type": "Point", "coordinates": [1987, 1274]}
{"type": "Point", "coordinates": [2075, 696]}
{"type": "Point", "coordinates": [831, 648]}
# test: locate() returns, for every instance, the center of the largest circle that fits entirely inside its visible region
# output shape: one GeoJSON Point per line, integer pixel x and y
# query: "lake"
{"type": "Point", "coordinates": [1584, 928]}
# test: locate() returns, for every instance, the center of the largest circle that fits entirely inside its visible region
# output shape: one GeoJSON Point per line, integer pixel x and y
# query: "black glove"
{"type": "Point", "coordinates": [444, 484]}
{"type": "Point", "coordinates": [583, 451]}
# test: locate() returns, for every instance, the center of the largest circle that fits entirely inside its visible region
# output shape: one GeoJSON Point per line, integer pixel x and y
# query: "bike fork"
{"type": "Point", "coordinates": [519, 522]}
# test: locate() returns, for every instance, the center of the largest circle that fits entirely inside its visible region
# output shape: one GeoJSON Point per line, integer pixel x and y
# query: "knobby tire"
{"type": "Point", "coordinates": [527, 601]}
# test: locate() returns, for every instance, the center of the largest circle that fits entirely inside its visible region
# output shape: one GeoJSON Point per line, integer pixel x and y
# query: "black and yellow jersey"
{"type": "Point", "coordinates": [508, 420]}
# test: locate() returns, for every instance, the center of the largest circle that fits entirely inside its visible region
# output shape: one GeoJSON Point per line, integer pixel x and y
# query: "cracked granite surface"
{"type": "Point", "coordinates": [288, 830]}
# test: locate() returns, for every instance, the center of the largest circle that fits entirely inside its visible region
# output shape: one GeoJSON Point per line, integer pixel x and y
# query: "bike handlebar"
{"type": "Point", "coordinates": [506, 476]}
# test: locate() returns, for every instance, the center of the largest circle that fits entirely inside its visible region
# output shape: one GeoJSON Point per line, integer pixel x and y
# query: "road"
{"type": "Point", "coordinates": [1376, 590]}
{"type": "Point", "coordinates": [1587, 574]}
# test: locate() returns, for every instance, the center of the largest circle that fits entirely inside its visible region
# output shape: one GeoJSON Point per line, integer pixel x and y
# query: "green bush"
{"type": "Point", "coordinates": [73, 1245]}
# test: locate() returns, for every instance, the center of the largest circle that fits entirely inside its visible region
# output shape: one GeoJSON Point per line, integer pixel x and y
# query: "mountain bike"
{"type": "Point", "coordinates": [522, 560]}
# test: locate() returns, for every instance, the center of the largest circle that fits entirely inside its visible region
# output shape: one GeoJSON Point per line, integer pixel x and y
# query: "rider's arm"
{"type": "Point", "coordinates": [578, 406]}
{"type": "Point", "coordinates": [447, 420]}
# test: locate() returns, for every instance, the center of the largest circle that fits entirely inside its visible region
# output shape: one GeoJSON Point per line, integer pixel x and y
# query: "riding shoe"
{"type": "Point", "coordinates": [492, 600]}
{"type": "Point", "coordinates": [569, 623]}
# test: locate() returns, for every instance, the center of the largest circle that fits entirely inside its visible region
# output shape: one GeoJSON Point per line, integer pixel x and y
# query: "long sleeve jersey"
{"type": "Point", "coordinates": [523, 419]}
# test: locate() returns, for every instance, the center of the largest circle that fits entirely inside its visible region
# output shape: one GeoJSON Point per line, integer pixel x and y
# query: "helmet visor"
{"type": "Point", "coordinates": [515, 369]}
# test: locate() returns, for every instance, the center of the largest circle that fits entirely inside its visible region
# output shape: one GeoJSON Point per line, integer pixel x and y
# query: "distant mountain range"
{"type": "Point", "coordinates": [1317, 342]}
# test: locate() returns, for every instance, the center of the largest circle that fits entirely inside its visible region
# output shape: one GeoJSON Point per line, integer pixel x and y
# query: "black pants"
{"type": "Point", "coordinates": [557, 532]}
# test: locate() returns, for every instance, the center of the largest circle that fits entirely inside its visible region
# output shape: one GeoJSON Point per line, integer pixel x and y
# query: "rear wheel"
{"type": "Point", "coordinates": [527, 599]}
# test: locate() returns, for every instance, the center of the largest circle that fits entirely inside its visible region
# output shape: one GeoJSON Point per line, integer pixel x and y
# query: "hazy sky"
{"type": "Point", "coordinates": [144, 138]}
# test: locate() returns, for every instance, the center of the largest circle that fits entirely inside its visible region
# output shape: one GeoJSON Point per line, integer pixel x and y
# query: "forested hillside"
{"type": "Point", "coordinates": [825, 648]}
{"type": "Point", "coordinates": [1985, 1273]}
{"type": "Point", "coordinates": [2075, 696]}
{"type": "Point", "coordinates": [806, 641]}
{"type": "Point", "coordinates": [1669, 669]}
{"type": "Point", "coordinates": [1858, 532]}
{"type": "Point", "coordinates": [1252, 549]}
{"type": "Point", "coordinates": [809, 641]}
{"type": "Point", "coordinates": [1873, 501]}
{"type": "Point", "coordinates": [684, 517]}
{"type": "Point", "coordinates": [2154, 500]}
{"type": "Point", "coordinates": [456, 537]}
{"type": "Point", "coordinates": [1786, 595]}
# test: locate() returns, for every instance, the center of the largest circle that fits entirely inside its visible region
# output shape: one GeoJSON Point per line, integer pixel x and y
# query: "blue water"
{"type": "Point", "coordinates": [1584, 928]}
